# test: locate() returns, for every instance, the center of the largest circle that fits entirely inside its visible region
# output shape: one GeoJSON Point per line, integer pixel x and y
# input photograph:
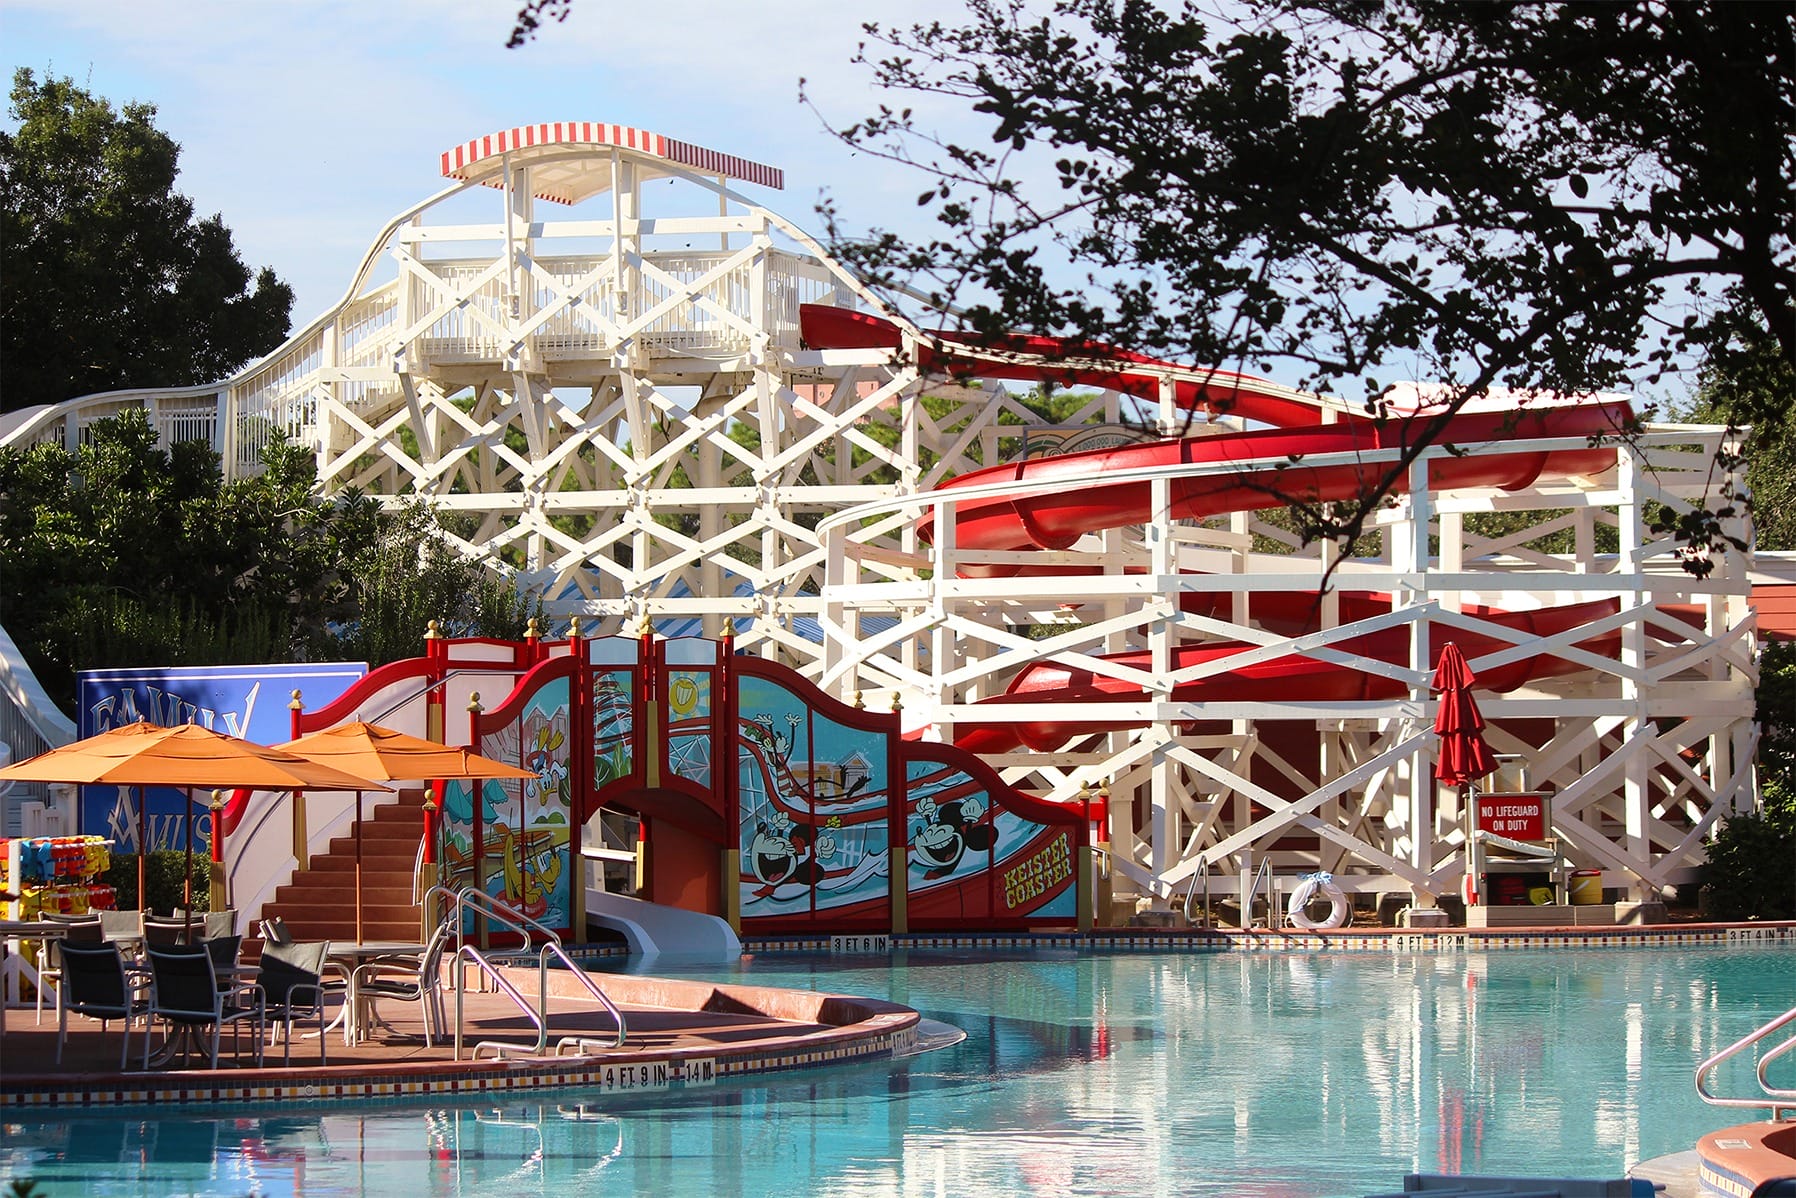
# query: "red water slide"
{"type": "Point", "coordinates": [1055, 500]}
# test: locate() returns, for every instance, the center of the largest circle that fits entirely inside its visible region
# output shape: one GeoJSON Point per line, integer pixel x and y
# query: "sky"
{"type": "Point", "coordinates": [307, 125]}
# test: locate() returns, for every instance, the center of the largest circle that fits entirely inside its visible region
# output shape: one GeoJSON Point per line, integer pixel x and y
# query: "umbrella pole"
{"type": "Point", "coordinates": [187, 886]}
{"type": "Point", "coordinates": [143, 846]}
{"type": "Point", "coordinates": [358, 867]}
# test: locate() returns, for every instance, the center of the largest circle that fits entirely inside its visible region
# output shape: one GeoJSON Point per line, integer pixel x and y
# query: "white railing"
{"type": "Point", "coordinates": [238, 417]}
{"type": "Point", "coordinates": [1775, 1099]}
{"type": "Point", "coordinates": [29, 724]}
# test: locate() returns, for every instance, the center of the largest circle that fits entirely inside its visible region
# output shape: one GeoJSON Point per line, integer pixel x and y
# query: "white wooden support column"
{"type": "Point", "coordinates": [1410, 556]}
{"type": "Point", "coordinates": [1637, 789]}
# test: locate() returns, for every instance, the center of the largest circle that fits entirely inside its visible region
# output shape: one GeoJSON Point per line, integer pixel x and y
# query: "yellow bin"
{"type": "Point", "coordinates": [1585, 888]}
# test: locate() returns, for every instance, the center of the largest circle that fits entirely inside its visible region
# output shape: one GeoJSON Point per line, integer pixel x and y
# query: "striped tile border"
{"type": "Point", "coordinates": [447, 1081]}
{"type": "Point", "coordinates": [1162, 940]}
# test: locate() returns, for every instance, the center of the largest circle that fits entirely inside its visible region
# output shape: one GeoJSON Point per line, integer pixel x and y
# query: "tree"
{"type": "Point", "coordinates": [139, 555]}
{"type": "Point", "coordinates": [108, 279]}
{"type": "Point", "coordinates": [1566, 196]}
{"type": "Point", "coordinates": [533, 16]}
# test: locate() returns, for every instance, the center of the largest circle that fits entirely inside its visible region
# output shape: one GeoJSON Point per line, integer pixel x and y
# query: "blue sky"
{"type": "Point", "coordinates": [308, 125]}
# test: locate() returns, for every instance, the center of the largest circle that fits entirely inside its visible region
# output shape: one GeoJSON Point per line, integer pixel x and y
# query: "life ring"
{"type": "Point", "coordinates": [1312, 885]}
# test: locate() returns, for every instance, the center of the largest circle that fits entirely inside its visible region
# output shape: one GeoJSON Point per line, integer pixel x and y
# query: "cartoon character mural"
{"type": "Point", "coordinates": [783, 852]}
{"type": "Point", "coordinates": [972, 859]}
{"type": "Point", "coordinates": [812, 808]}
{"type": "Point", "coordinates": [525, 829]}
{"type": "Point", "coordinates": [947, 830]}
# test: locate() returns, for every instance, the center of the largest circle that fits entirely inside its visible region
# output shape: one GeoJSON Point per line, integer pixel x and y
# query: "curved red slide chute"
{"type": "Point", "coordinates": [1064, 363]}
{"type": "Point", "coordinates": [1256, 469]}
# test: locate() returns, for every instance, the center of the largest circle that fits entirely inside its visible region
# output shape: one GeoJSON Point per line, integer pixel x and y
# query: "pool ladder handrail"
{"type": "Point", "coordinates": [465, 900]}
{"type": "Point", "coordinates": [1262, 874]}
{"type": "Point", "coordinates": [1772, 1094]}
{"type": "Point", "coordinates": [1201, 869]}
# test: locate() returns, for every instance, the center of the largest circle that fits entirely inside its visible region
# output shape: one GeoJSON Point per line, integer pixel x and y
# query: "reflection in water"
{"type": "Point", "coordinates": [1231, 1073]}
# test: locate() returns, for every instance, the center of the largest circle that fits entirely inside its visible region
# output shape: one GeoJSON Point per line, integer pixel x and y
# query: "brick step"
{"type": "Point", "coordinates": [404, 931]}
{"type": "Point", "coordinates": [328, 896]}
{"type": "Point", "coordinates": [372, 858]}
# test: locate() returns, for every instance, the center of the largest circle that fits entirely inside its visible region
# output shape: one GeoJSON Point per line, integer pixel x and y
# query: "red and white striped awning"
{"type": "Point", "coordinates": [568, 178]}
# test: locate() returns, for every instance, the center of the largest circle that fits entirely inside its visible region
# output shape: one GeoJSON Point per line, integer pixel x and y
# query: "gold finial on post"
{"type": "Point", "coordinates": [294, 704]}
{"type": "Point", "coordinates": [474, 702]}
{"type": "Point", "coordinates": [434, 632]}
{"type": "Point", "coordinates": [859, 703]}
{"type": "Point", "coordinates": [573, 628]}
{"type": "Point", "coordinates": [532, 632]}
{"type": "Point", "coordinates": [729, 626]}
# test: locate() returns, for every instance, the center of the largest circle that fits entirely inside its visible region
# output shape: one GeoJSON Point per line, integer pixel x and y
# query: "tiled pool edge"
{"type": "Point", "coordinates": [1373, 940]}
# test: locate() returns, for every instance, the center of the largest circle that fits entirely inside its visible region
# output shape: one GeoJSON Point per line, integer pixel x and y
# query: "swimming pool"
{"type": "Point", "coordinates": [1231, 1073]}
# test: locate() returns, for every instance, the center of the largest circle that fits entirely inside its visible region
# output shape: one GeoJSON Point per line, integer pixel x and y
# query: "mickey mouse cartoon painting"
{"type": "Point", "coordinates": [948, 831]}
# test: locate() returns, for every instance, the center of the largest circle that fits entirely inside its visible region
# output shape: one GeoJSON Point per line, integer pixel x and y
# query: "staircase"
{"type": "Point", "coordinates": [319, 903]}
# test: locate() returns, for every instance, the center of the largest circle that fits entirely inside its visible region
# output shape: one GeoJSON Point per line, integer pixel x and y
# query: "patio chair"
{"type": "Point", "coordinates": [291, 977]}
{"type": "Point", "coordinates": [123, 928]}
{"type": "Point", "coordinates": [159, 931]}
{"type": "Point", "coordinates": [209, 925]}
{"type": "Point", "coordinates": [95, 983]}
{"type": "Point", "coordinates": [419, 981]}
{"type": "Point", "coordinates": [185, 994]}
{"type": "Point", "coordinates": [223, 950]}
{"type": "Point", "coordinates": [79, 929]}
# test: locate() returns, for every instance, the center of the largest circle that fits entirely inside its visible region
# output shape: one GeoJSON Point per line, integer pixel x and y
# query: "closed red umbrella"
{"type": "Point", "coordinates": [1463, 757]}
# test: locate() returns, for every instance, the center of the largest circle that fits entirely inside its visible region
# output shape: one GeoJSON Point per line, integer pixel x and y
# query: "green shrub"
{"type": "Point", "coordinates": [165, 880]}
{"type": "Point", "coordinates": [1751, 871]}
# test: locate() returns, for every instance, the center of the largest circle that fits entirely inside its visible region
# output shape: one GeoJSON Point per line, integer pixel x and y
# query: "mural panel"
{"type": "Point", "coordinates": [525, 852]}
{"type": "Point", "coordinates": [812, 811]}
{"type": "Point", "coordinates": [613, 725]}
{"type": "Point", "coordinates": [969, 858]}
{"type": "Point", "coordinates": [689, 735]}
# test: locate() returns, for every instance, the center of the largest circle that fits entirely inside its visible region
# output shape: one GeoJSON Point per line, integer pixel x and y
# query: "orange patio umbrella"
{"type": "Point", "coordinates": [186, 756]}
{"type": "Point", "coordinates": [392, 756]}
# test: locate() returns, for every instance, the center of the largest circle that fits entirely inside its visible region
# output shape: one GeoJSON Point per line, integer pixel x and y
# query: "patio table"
{"type": "Point", "coordinates": [349, 955]}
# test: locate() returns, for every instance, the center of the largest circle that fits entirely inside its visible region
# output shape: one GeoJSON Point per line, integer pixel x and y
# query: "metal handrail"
{"type": "Point", "coordinates": [466, 900]}
{"type": "Point", "coordinates": [470, 953]}
{"type": "Point", "coordinates": [1260, 874]}
{"type": "Point", "coordinates": [1201, 868]}
{"type": "Point", "coordinates": [1705, 1071]}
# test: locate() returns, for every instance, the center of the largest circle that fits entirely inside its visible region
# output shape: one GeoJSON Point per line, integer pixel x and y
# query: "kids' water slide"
{"type": "Point", "coordinates": [1297, 457]}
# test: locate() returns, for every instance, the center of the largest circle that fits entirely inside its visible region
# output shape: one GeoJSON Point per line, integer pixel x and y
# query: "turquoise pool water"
{"type": "Point", "coordinates": [1213, 1074]}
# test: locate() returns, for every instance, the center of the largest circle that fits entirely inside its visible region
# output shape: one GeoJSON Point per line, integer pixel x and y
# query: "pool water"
{"type": "Point", "coordinates": [1188, 1074]}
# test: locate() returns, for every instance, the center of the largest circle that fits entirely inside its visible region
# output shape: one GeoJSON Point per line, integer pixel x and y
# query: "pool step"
{"type": "Point", "coordinates": [1444, 1185]}
{"type": "Point", "coordinates": [1753, 1158]}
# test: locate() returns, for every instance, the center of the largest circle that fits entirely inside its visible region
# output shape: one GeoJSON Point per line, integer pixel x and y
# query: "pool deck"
{"type": "Point", "coordinates": [681, 1034]}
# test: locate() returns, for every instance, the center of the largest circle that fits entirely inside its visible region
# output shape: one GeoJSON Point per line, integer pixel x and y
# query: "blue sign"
{"type": "Point", "coordinates": [249, 702]}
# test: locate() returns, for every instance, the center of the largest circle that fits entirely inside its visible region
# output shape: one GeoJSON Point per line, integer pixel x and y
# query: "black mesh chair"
{"type": "Point", "coordinates": [95, 983]}
{"type": "Point", "coordinates": [76, 929]}
{"type": "Point", "coordinates": [291, 978]}
{"type": "Point", "coordinates": [223, 950]}
{"type": "Point", "coordinates": [185, 995]}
